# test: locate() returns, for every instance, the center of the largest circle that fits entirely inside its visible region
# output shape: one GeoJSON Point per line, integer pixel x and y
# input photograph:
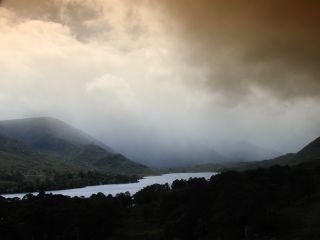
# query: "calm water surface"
{"type": "Point", "coordinates": [113, 189]}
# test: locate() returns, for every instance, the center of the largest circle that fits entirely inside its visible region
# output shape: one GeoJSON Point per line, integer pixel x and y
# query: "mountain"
{"type": "Point", "coordinates": [38, 132]}
{"type": "Point", "coordinates": [310, 153]}
{"type": "Point", "coordinates": [53, 143]}
{"type": "Point", "coordinates": [17, 156]}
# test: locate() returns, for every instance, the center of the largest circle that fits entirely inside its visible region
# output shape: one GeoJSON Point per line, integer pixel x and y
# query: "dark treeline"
{"type": "Point", "coordinates": [16, 181]}
{"type": "Point", "coordinates": [273, 203]}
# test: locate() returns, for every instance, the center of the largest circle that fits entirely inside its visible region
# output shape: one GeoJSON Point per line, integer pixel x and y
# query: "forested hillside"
{"type": "Point", "coordinates": [280, 202]}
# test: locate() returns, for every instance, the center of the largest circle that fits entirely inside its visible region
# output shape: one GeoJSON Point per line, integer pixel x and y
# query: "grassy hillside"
{"type": "Point", "coordinates": [17, 156]}
{"type": "Point", "coordinates": [309, 153]}
{"type": "Point", "coordinates": [41, 149]}
{"type": "Point", "coordinates": [53, 141]}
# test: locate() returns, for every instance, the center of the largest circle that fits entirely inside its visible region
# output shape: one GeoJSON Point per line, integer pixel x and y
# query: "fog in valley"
{"type": "Point", "coordinates": [161, 85]}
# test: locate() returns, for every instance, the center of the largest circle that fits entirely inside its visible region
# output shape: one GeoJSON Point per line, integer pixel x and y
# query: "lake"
{"type": "Point", "coordinates": [132, 188]}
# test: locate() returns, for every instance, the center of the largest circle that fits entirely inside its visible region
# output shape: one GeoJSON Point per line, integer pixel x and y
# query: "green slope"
{"type": "Point", "coordinates": [48, 154]}
{"type": "Point", "coordinates": [309, 153]}
{"type": "Point", "coordinates": [17, 156]}
{"type": "Point", "coordinates": [52, 143]}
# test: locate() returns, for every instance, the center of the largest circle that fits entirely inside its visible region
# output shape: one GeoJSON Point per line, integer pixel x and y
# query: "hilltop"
{"type": "Point", "coordinates": [45, 148]}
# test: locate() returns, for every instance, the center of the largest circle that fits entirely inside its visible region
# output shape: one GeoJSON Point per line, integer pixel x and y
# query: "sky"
{"type": "Point", "coordinates": [167, 82]}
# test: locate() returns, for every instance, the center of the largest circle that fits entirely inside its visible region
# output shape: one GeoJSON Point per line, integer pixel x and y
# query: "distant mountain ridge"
{"type": "Point", "coordinates": [309, 153]}
{"type": "Point", "coordinates": [53, 142]}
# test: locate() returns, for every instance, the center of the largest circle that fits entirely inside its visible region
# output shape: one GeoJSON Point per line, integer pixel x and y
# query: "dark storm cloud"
{"type": "Point", "coordinates": [254, 43]}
